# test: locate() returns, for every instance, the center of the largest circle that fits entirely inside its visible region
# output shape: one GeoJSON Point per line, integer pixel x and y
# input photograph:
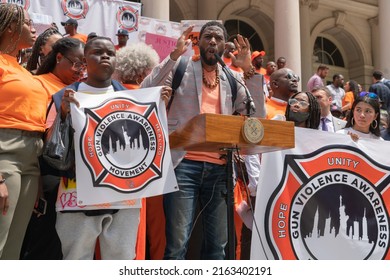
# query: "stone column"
{"type": "Point", "coordinates": [375, 39]}
{"type": "Point", "coordinates": [158, 9]}
{"type": "Point", "coordinates": [288, 33]}
{"type": "Point", "coordinates": [306, 46]}
{"type": "Point", "coordinates": [207, 9]}
{"type": "Point", "coordinates": [384, 37]}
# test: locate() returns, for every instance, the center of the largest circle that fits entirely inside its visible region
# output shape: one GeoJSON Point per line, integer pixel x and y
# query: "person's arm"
{"type": "Point", "coordinates": [161, 72]}
{"type": "Point", "coordinates": [68, 98]}
{"type": "Point", "coordinates": [252, 79]}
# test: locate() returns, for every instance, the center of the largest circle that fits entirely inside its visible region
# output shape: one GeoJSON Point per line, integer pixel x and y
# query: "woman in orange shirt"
{"type": "Point", "coordinates": [351, 93]}
{"type": "Point", "coordinates": [61, 67]}
{"type": "Point", "coordinates": [22, 123]}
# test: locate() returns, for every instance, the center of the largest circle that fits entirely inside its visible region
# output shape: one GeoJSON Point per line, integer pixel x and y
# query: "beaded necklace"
{"type": "Point", "coordinates": [216, 82]}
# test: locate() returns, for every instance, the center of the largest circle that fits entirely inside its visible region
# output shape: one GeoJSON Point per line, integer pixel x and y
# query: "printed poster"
{"type": "Point", "coordinates": [326, 199]}
{"type": "Point", "coordinates": [104, 17]}
{"type": "Point", "coordinates": [122, 146]}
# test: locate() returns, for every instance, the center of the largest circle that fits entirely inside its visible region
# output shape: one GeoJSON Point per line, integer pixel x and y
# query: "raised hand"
{"type": "Point", "coordinates": [182, 44]}
{"type": "Point", "coordinates": [243, 58]}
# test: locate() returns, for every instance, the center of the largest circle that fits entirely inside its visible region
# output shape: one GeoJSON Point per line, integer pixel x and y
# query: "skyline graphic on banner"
{"type": "Point", "coordinates": [133, 149]}
{"type": "Point", "coordinates": [355, 231]}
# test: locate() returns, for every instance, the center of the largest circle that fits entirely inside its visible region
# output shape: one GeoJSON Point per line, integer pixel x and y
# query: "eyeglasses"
{"type": "Point", "coordinates": [292, 76]}
{"type": "Point", "coordinates": [303, 104]}
{"type": "Point", "coordinates": [76, 65]}
{"type": "Point", "coordinates": [29, 23]}
{"type": "Point", "coordinates": [369, 94]}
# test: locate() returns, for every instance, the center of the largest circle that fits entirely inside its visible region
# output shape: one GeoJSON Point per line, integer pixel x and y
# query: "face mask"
{"type": "Point", "coordinates": [298, 117]}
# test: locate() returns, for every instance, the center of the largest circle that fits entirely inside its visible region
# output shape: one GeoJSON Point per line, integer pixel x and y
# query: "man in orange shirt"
{"type": "Point", "coordinates": [284, 83]}
{"type": "Point", "coordinates": [123, 37]}
{"type": "Point", "coordinates": [257, 61]}
{"type": "Point", "coordinates": [70, 27]}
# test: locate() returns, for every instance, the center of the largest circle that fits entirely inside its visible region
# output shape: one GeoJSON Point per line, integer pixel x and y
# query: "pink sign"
{"type": "Point", "coordinates": [162, 44]}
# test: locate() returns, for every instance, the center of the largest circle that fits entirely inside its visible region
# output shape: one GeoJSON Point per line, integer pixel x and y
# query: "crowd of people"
{"type": "Point", "coordinates": [59, 67]}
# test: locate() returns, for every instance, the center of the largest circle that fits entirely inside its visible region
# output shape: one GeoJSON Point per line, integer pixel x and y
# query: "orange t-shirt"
{"type": "Point", "coordinates": [23, 99]}
{"type": "Point", "coordinates": [211, 101]}
{"type": "Point", "coordinates": [52, 84]}
{"type": "Point", "coordinates": [262, 71]}
{"type": "Point", "coordinates": [131, 86]}
{"type": "Point", "coordinates": [348, 98]}
{"type": "Point", "coordinates": [227, 60]}
{"type": "Point", "coordinates": [275, 107]}
{"type": "Point", "coordinates": [82, 37]}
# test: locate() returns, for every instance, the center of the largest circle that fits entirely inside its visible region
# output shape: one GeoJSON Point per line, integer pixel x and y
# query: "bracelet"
{"type": "Point", "coordinates": [250, 73]}
{"type": "Point", "coordinates": [2, 181]}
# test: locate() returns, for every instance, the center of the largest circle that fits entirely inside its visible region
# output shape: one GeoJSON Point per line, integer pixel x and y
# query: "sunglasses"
{"type": "Point", "coordinates": [76, 66]}
{"type": "Point", "coordinates": [303, 104]}
{"type": "Point", "coordinates": [292, 76]}
{"type": "Point", "coordinates": [369, 94]}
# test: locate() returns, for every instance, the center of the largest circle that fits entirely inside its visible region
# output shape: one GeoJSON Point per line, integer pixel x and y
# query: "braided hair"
{"type": "Point", "coordinates": [314, 118]}
{"type": "Point", "coordinates": [10, 13]}
{"type": "Point", "coordinates": [62, 46]}
{"type": "Point", "coordinates": [36, 55]}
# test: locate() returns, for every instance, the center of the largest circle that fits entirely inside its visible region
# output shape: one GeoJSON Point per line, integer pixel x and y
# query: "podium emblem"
{"type": "Point", "coordinates": [252, 130]}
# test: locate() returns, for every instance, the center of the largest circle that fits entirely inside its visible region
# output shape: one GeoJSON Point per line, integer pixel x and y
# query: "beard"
{"type": "Point", "coordinates": [212, 61]}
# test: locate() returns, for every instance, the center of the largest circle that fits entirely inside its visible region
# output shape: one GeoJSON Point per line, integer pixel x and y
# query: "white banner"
{"type": "Point", "coordinates": [104, 17]}
{"type": "Point", "coordinates": [328, 198]}
{"type": "Point", "coordinates": [122, 146]}
{"type": "Point", "coordinates": [159, 27]}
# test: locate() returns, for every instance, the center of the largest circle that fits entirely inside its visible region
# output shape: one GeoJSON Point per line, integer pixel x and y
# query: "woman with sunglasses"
{"type": "Point", "coordinates": [364, 119]}
{"type": "Point", "coordinates": [63, 66]}
{"type": "Point", "coordinates": [22, 123]}
{"type": "Point", "coordinates": [304, 110]}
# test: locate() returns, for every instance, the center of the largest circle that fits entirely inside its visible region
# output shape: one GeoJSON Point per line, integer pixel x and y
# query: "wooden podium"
{"type": "Point", "coordinates": [211, 133]}
{"type": "Point", "coordinates": [222, 133]}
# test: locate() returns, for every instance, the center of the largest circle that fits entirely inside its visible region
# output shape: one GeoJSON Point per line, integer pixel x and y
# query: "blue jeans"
{"type": "Point", "coordinates": [206, 182]}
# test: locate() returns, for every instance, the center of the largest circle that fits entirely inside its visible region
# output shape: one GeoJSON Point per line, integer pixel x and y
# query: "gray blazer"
{"type": "Point", "coordinates": [188, 96]}
{"type": "Point", "coordinates": [338, 123]}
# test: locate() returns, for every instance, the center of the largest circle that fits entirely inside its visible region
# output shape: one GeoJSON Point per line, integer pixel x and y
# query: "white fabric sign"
{"type": "Point", "coordinates": [328, 198]}
{"type": "Point", "coordinates": [159, 27]}
{"type": "Point", "coordinates": [122, 146]}
{"type": "Point", "coordinates": [104, 17]}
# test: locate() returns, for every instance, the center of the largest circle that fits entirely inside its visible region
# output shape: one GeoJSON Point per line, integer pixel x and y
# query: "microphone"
{"type": "Point", "coordinates": [250, 105]}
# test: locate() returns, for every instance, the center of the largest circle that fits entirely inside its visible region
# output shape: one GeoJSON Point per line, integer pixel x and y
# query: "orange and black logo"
{"type": "Point", "coordinates": [24, 3]}
{"type": "Point", "coordinates": [123, 144]}
{"type": "Point", "coordinates": [330, 204]}
{"type": "Point", "coordinates": [127, 18]}
{"type": "Point", "coordinates": [76, 9]}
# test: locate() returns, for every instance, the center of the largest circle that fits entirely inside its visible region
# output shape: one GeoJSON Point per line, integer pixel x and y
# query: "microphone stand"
{"type": "Point", "coordinates": [250, 107]}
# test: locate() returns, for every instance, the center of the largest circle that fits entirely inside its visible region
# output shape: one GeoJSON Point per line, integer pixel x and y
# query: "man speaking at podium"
{"type": "Point", "coordinates": [205, 87]}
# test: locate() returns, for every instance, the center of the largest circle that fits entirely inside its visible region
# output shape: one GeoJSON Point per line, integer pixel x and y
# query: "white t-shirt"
{"type": "Point", "coordinates": [360, 134]}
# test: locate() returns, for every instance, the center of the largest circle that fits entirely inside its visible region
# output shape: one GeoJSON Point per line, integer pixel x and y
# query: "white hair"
{"type": "Point", "coordinates": [135, 60]}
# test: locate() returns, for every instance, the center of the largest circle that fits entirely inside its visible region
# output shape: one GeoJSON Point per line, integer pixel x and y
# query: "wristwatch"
{"type": "Point", "coordinates": [2, 181]}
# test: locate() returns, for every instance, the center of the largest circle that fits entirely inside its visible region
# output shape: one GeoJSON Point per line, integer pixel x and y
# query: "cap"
{"type": "Point", "coordinates": [122, 32]}
{"type": "Point", "coordinates": [69, 21]}
{"type": "Point", "coordinates": [92, 35]}
{"type": "Point", "coordinates": [256, 54]}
